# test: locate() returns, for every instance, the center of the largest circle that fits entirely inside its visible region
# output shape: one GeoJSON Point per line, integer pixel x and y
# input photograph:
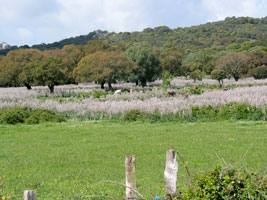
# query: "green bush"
{"type": "Point", "coordinates": [204, 112]}
{"type": "Point", "coordinates": [260, 72]}
{"type": "Point", "coordinates": [13, 115]}
{"type": "Point", "coordinates": [134, 115]}
{"type": "Point", "coordinates": [98, 94]}
{"type": "Point", "coordinates": [231, 111]}
{"type": "Point", "coordinates": [239, 111]}
{"type": "Point", "coordinates": [234, 110]}
{"type": "Point", "coordinates": [155, 117]}
{"type": "Point", "coordinates": [27, 115]}
{"type": "Point", "coordinates": [227, 183]}
{"type": "Point", "coordinates": [40, 116]}
{"type": "Point", "coordinates": [197, 91]}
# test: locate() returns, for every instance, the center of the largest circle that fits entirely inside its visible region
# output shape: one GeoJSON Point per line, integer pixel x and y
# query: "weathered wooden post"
{"type": "Point", "coordinates": [30, 195]}
{"type": "Point", "coordinates": [130, 172]}
{"type": "Point", "coordinates": [170, 173]}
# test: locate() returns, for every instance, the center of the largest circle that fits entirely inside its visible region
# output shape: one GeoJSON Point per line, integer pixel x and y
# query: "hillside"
{"type": "Point", "coordinates": [216, 34]}
{"type": "Point", "coordinates": [229, 33]}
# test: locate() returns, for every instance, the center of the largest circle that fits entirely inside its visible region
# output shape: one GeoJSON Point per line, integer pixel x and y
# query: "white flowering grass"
{"type": "Point", "coordinates": [182, 82]}
{"type": "Point", "coordinates": [150, 101]}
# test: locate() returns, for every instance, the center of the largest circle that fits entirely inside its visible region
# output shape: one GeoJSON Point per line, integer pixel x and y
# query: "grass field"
{"type": "Point", "coordinates": [78, 157]}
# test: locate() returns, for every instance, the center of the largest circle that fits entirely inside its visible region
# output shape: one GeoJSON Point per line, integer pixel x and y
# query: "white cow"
{"type": "Point", "coordinates": [117, 92]}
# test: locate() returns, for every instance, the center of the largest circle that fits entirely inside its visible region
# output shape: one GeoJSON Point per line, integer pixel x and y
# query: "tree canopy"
{"type": "Point", "coordinates": [104, 67]}
{"type": "Point", "coordinates": [49, 71]}
{"type": "Point", "coordinates": [12, 65]}
{"type": "Point", "coordinates": [171, 61]}
{"type": "Point", "coordinates": [234, 64]}
{"type": "Point", "coordinates": [148, 68]}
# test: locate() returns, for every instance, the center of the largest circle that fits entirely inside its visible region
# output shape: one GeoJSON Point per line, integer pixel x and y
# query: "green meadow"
{"type": "Point", "coordinates": [87, 158]}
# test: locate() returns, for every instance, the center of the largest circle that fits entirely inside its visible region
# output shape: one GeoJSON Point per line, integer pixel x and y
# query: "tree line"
{"type": "Point", "coordinates": [140, 63]}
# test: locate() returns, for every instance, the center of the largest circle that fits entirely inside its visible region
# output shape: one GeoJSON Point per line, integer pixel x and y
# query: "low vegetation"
{"type": "Point", "coordinates": [190, 101]}
{"type": "Point", "coordinates": [227, 183]}
{"type": "Point", "coordinates": [17, 115]}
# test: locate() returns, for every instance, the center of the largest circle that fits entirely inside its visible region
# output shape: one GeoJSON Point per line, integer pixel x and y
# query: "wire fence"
{"type": "Point", "coordinates": [170, 175]}
{"type": "Point", "coordinates": [92, 197]}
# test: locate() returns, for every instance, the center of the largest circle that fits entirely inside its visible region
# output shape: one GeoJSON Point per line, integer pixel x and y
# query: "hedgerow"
{"type": "Point", "coordinates": [17, 115]}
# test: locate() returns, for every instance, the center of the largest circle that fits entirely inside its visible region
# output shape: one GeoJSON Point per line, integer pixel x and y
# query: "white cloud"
{"type": "Point", "coordinates": [116, 15]}
{"type": "Point", "coordinates": [121, 15]}
{"type": "Point", "coordinates": [24, 34]}
{"type": "Point", "coordinates": [37, 21]}
{"type": "Point", "coordinates": [219, 10]}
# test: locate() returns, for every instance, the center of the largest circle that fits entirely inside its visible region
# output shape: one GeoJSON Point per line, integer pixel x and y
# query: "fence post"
{"type": "Point", "coordinates": [30, 195]}
{"type": "Point", "coordinates": [170, 173]}
{"type": "Point", "coordinates": [130, 173]}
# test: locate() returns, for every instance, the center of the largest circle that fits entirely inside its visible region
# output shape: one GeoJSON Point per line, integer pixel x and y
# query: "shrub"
{"type": "Point", "coordinates": [155, 117]}
{"type": "Point", "coordinates": [208, 112]}
{"type": "Point", "coordinates": [260, 72]}
{"type": "Point", "coordinates": [227, 183]}
{"type": "Point", "coordinates": [239, 111]}
{"type": "Point", "coordinates": [99, 94]}
{"type": "Point", "coordinates": [134, 115]}
{"type": "Point", "coordinates": [13, 115]}
{"type": "Point", "coordinates": [196, 75]}
{"type": "Point", "coordinates": [218, 75]}
{"type": "Point", "coordinates": [166, 79]}
{"type": "Point", "coordinates": [234, 110]}
{"type": "Point", "coordinates": [196, 91]}
{"type": "Point", "coordinates": [27, 115]}
{"type": "Point", "coordinates": [39, 116]}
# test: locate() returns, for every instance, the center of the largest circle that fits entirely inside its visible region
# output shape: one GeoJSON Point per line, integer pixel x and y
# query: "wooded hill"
{"type": "Point", "coordinates": [235, 47]}
{"type": "Point", "coordinates": [232, 33]}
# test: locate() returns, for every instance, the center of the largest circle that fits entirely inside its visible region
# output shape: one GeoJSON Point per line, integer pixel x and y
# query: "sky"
{"type": "Point", "coordinates": [45, 21]}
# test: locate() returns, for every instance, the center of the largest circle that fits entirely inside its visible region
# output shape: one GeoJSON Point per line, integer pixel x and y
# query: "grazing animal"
{"type": "Point", "coordinates": [196, 87]}
{"type": "Point", "coordinates": [131, 90]}
{"type": "Point", "coordinates": [117, 92]}
{"type": "Point", "coordinates": [171, 94]}
{"type": "Point", "coordinates": [186, 95]}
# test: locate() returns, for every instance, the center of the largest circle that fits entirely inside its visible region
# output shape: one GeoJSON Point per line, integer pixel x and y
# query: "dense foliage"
{"type": "Point", "coordinates": [103, 67]}
{"type": "Point", "coordinates": [147, 69]}
{"type": "Point", "coordinates": [231, 111]}
{"type": "Point", "coordinates": [227, 183]}
{"type": "Point", "coordinates": [17, 115]}
{"type": "Point", "coordinates": [232, 33]}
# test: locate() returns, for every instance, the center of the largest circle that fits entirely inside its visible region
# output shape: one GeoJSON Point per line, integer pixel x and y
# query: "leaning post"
{"type": "Point", "coordinates": [130, 173]}
{"type": "Point", "coordinates": [170, 173]}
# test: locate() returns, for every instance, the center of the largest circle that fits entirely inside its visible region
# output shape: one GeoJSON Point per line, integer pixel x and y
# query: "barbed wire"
{"type": "Point", "coordinates": [79, 196]}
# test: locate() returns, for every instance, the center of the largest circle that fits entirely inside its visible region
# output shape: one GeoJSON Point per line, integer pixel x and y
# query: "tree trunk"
{"type": "Point", "coordinates": [110, 86]}
{"type": "Point", "coordinates": [102, 85]}
{"type": "Point", "coordinates": [51, 88]}
{"type": "Point", "coordinates": [28, 86]}
{"type": "Point", "coordinates": [221, 83]}
{"type": "Point", "coordinates": [143, 83]}
{"type": "Point", "coordinates": [136, 83]}
{"type": "Point", "coordinates": [236, 77]}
